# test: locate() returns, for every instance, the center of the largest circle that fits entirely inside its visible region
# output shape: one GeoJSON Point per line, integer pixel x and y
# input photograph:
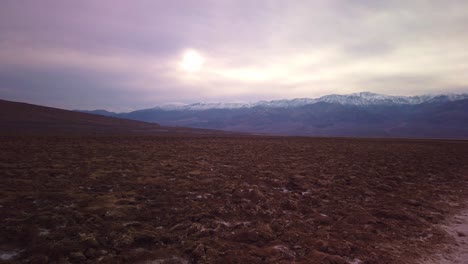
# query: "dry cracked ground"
{"type": "Point", "coordinates": [147, 199]}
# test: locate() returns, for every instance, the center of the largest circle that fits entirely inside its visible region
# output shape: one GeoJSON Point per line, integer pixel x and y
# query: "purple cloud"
{"type": "Point", "coordinates": [125, 54]}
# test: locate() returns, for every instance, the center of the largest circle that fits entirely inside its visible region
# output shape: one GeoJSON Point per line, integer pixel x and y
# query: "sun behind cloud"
{"type": "Point", "coordinates": [192, 61]}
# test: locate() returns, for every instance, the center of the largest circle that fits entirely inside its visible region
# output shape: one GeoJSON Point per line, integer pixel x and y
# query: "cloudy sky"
{"type": "Point", "coordinates": [122, 55]}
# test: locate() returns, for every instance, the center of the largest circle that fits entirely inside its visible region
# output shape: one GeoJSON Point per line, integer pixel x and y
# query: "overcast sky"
{"type": "Point", "coordinates": [122, 55]}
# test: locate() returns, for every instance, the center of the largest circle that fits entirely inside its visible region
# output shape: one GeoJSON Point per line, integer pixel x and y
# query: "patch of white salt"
{"type": "Point", "coordinates": [43, 232]}
{"type": "Point", "coordinates": [458, 252]}
{"type": "Point", "coordinates": [8, 255]}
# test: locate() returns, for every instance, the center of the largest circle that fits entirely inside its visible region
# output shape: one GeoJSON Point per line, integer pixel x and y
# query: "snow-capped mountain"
{"type": "Point", "coordinates": [367, 98]}
{"type": "Point", "coordinates": [360, 114]}
{"type": "Point", "coordinates": [203, 106]}
{"type": "Point", "coordinates": [361, 99]}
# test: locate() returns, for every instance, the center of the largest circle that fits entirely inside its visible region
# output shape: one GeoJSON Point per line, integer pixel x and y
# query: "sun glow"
{"type": "Point", "coordinates": [192, 61]}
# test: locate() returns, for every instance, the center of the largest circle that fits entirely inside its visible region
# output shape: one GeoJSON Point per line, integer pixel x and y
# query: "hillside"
{"type": "Point", "coordinates": [27, 119]}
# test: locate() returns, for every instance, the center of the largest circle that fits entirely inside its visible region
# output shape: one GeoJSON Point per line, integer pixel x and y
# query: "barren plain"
{"type": "Point", "coordinates": [227, 199]}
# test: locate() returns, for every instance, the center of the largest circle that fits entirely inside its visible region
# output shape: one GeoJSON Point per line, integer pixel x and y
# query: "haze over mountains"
{"type": "Point", "coordinates": [362, 114]}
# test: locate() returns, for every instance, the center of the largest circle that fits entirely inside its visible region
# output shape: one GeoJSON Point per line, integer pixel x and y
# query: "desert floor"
{"type": "Point", "coordinates": [227, 199]}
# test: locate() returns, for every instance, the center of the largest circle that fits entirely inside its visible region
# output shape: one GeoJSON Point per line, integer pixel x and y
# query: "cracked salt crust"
{"type": "Point", "coordinates": [458, 252]}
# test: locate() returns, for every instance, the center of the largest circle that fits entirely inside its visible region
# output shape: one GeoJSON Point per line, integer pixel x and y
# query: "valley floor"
{"type": "Point", "coordinates": [227, 199]}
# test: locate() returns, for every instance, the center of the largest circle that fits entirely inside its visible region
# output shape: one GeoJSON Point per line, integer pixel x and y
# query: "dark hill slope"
{"type": "Point", "coordinates": [27, 119]}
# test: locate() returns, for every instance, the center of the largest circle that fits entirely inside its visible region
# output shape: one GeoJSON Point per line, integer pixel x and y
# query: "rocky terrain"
{"type": "Point", "coordinates": [226, 199]}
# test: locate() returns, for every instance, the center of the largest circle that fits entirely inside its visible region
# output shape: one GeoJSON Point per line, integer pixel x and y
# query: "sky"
{"type": "Point", "coordinates": [124, 55]}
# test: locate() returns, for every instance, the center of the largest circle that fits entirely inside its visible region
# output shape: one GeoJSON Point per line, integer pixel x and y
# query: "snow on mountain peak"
{"type": "Point", "coordinates": [360, 99]}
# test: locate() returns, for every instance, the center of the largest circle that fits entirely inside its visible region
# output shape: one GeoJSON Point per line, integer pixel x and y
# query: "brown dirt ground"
{"type": "Point", "coordinates": [143, 199]}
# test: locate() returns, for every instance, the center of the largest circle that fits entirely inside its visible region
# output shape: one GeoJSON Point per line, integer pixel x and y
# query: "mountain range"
{"type": "Point", "coordinates": [362, 114]}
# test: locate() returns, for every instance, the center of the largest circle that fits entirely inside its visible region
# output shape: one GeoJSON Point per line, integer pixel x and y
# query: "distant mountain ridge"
{"type": "Point", "coordinates": [362, 114]}
{"type": "Point", "coordinates": [362, 98]}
